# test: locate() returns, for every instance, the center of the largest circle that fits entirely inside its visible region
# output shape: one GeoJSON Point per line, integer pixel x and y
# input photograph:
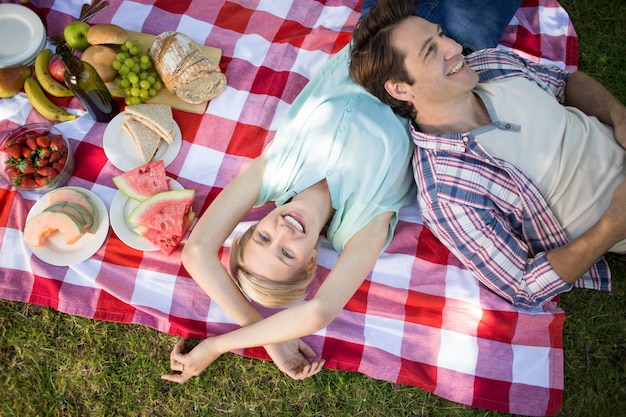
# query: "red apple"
{"type": "Point", "coordinates": [56, 68]}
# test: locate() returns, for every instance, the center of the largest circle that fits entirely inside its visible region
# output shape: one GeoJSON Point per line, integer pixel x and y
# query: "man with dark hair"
{"type": "Point", "coordinates": [519, 166]}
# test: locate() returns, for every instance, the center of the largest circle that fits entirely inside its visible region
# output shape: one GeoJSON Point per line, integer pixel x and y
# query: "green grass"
{"type": "Point", "coordinates": [53, 364]}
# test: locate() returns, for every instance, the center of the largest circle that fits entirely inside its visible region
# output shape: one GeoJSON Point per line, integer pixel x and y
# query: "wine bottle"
{"type": "Point", "coordinates": [83, 79]}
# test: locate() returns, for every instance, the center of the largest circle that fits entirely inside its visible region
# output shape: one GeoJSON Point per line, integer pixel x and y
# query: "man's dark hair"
{"type": "Point", "coordinates": [373, 58]}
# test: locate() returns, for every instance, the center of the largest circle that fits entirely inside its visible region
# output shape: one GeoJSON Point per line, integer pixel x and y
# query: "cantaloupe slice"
{"type": "Point", "coordinates": [69, 195]}
{"type": "Point", "coordinates": [40, 226]}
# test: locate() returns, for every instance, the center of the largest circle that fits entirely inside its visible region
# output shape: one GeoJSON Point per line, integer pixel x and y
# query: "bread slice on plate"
{"type": "Point", "coordinates": [157, 117]}
{"type": "Point", "coordinates": [146, 140]}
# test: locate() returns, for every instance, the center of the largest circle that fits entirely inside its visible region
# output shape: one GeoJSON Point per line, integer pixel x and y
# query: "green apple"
{"type": "Point", "coordinates": [75, 35]}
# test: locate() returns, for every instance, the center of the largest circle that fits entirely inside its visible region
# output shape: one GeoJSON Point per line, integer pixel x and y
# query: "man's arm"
{"type": "Point", "coordinates": [590, 96]}
{"type": "Point", "coordinates": [572, 260]}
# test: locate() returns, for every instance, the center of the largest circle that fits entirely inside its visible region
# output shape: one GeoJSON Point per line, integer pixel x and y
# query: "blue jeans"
{"type": "Point", "coordinates": [475, 24]}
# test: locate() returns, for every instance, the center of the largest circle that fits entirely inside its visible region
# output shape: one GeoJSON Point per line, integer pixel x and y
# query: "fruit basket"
{"type": "Point", "coordinates": [36, 157]}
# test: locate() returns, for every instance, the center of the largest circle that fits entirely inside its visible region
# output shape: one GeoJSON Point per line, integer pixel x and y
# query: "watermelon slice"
{"type": "Point", "coordinates": [165, 243]}
{"type": "Point", "coordinates": [164, 211]}
{"type": "Point", "coordinates": [143, 182]}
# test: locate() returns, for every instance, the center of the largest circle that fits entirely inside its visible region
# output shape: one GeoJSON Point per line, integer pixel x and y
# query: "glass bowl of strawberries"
{"type": "Point", "coordinates": [36, 157]}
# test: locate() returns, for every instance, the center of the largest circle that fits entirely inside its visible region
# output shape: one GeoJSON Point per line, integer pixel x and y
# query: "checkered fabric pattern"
{"type": "Point", "coordinates": [419, 319]}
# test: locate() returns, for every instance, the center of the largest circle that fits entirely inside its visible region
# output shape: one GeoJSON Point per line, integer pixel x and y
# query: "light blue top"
{"type": "Point", "coordinates": [335, 130]}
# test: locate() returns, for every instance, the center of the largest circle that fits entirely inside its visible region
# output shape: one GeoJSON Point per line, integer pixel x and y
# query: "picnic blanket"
{"type": "Point", "coordinates": [419, 319]}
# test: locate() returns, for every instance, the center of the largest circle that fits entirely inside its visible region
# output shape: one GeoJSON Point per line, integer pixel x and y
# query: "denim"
{"type": "Point", "coordinates": [475, 24]}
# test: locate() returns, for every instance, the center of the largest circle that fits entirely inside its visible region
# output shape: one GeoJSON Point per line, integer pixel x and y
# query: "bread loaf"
{"type": "Point", "coordinates": [106, 33]}
{"type": "Point", "coordinates": [185, 69]}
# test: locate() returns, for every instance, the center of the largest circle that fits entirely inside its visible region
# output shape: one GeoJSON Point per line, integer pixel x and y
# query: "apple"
{"type": "Point", "coordinates": [75, 34]}
{"type": "Point", "coordinates": [57, 68]}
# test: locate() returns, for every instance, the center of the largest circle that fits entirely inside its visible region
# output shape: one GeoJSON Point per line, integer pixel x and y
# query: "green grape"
{"type": "Point", "coordinates": [144, 95]}
{"type": "Point", "coordinates": [136, 73]}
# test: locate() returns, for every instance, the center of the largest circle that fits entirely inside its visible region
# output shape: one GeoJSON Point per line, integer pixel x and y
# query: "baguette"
{"type": "Point", "coordinates": [185, 69]}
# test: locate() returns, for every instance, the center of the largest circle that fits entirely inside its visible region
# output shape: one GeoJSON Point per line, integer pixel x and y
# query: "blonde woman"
{"type": "Point", "coordinates": [332, 169]}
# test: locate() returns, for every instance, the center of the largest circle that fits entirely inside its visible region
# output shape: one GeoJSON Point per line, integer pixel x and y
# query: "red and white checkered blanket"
{"type": "Point", "coordinates": [420, 319]}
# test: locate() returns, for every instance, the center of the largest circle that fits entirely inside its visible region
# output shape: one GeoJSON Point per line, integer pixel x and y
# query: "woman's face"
{"type": "Point", "coordinates": [283, 242]}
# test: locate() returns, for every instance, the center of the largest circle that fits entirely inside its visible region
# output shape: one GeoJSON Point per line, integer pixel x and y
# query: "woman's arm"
{"type": "Point", "coordinates": [200, 257]}
{"type": "Point", "coordinates": [200, 254]}
{"type": "Point", "coordinates": [351, 268]}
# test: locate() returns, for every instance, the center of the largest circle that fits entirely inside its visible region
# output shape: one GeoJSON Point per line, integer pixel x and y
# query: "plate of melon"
{"type": "Point", "coordinates": [66, 226]}
{"type": "Point", "coordinates": [151, 211]}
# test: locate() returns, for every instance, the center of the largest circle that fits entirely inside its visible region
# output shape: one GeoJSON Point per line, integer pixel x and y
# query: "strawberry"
{"type": "Point", "coordinates": [26, 152]}
{"type": "Point", "coordinates": [41, 162]}
{"type": "Point", "coordinates": [56, 143]}
{"type": "Point", "coordinates": [45, 152]}
{"type": "Point", "coordinates": [26, 167]}
{"type": "Point", "coordinates": [27, 182]}
{"type": "Point", "coordinates": [43, 141]}
{"type": "Point", "coordinates": [54, 156]}
{"type": "Point", "coordinates": [41, 180]}
{"type": "Point", "coordinates": [31, 143]}
{"type": "Point", "coordinates": [14, 150]}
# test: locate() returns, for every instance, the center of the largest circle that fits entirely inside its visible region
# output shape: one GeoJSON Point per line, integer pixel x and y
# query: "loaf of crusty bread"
{"type": "Point", "coordinates": [106, 33]}
{"type": "Point", "coordinates": [186, 70]}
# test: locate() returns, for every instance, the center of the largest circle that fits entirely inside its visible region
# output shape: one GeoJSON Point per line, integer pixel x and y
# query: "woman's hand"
{"type": "Point", "coordinates": [192, 363]}
{"type": "Point", "coordinates": [293, 358]}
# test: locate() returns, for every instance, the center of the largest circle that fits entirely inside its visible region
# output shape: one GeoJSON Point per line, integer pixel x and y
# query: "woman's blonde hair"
{"type": "Point", "coordinates": [260, 289]}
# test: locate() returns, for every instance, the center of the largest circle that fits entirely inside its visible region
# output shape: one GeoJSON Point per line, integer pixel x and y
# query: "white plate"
{"type": "Point", "coordinates": [22, 33]}
{"type": "Point", "coordinates": [121, 207]}
{"type": "Point", "coordinates": [120, 149]}
{"type": "Point", "coordinates": [56, 251]}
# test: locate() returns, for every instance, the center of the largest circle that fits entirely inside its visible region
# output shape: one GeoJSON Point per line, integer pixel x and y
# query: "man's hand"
{"type": "Point", "coordinates": [616, 212]}
{"type": "Point", "coordinates": [293, 358]}
{"type": "Point", "coordinates": [192, 363]}
{"type": "Point", "coordinates": [619, 126]}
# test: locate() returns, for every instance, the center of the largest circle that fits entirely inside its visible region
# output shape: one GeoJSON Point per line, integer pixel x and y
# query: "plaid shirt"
{"type": "Point", "coordinates": [490, 214]}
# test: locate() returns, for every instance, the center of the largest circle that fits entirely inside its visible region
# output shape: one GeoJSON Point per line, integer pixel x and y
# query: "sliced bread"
{"type": "Point", "coordinates": [146, 140]}
{"type": "Point", "coordinates": [157, 117]}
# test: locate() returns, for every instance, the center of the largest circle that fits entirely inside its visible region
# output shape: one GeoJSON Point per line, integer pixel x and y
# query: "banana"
{"type": "Point", "coordinates": [43, 105]}
{"type": "Point", "coordinates": [45, 79]}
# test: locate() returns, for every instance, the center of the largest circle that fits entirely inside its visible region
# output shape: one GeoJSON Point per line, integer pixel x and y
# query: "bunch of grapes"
{"type": "Point", "coordinates": [136, 74]}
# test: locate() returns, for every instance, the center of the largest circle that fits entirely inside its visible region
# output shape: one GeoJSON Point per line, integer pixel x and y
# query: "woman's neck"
{"type": "Point", "coordinates": [318, 198]}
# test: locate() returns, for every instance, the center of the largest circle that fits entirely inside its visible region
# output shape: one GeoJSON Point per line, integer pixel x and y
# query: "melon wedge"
{"type": "Point", "coordinates": [70, 195]}
{"type": "Point", "coordinates": [75, 211]}
{"type": "Point", "coordinates": [40, 226]}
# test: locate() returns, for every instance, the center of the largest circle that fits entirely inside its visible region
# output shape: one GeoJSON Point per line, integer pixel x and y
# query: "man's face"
{"type": "Point", "coordinates": [434, 62]}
